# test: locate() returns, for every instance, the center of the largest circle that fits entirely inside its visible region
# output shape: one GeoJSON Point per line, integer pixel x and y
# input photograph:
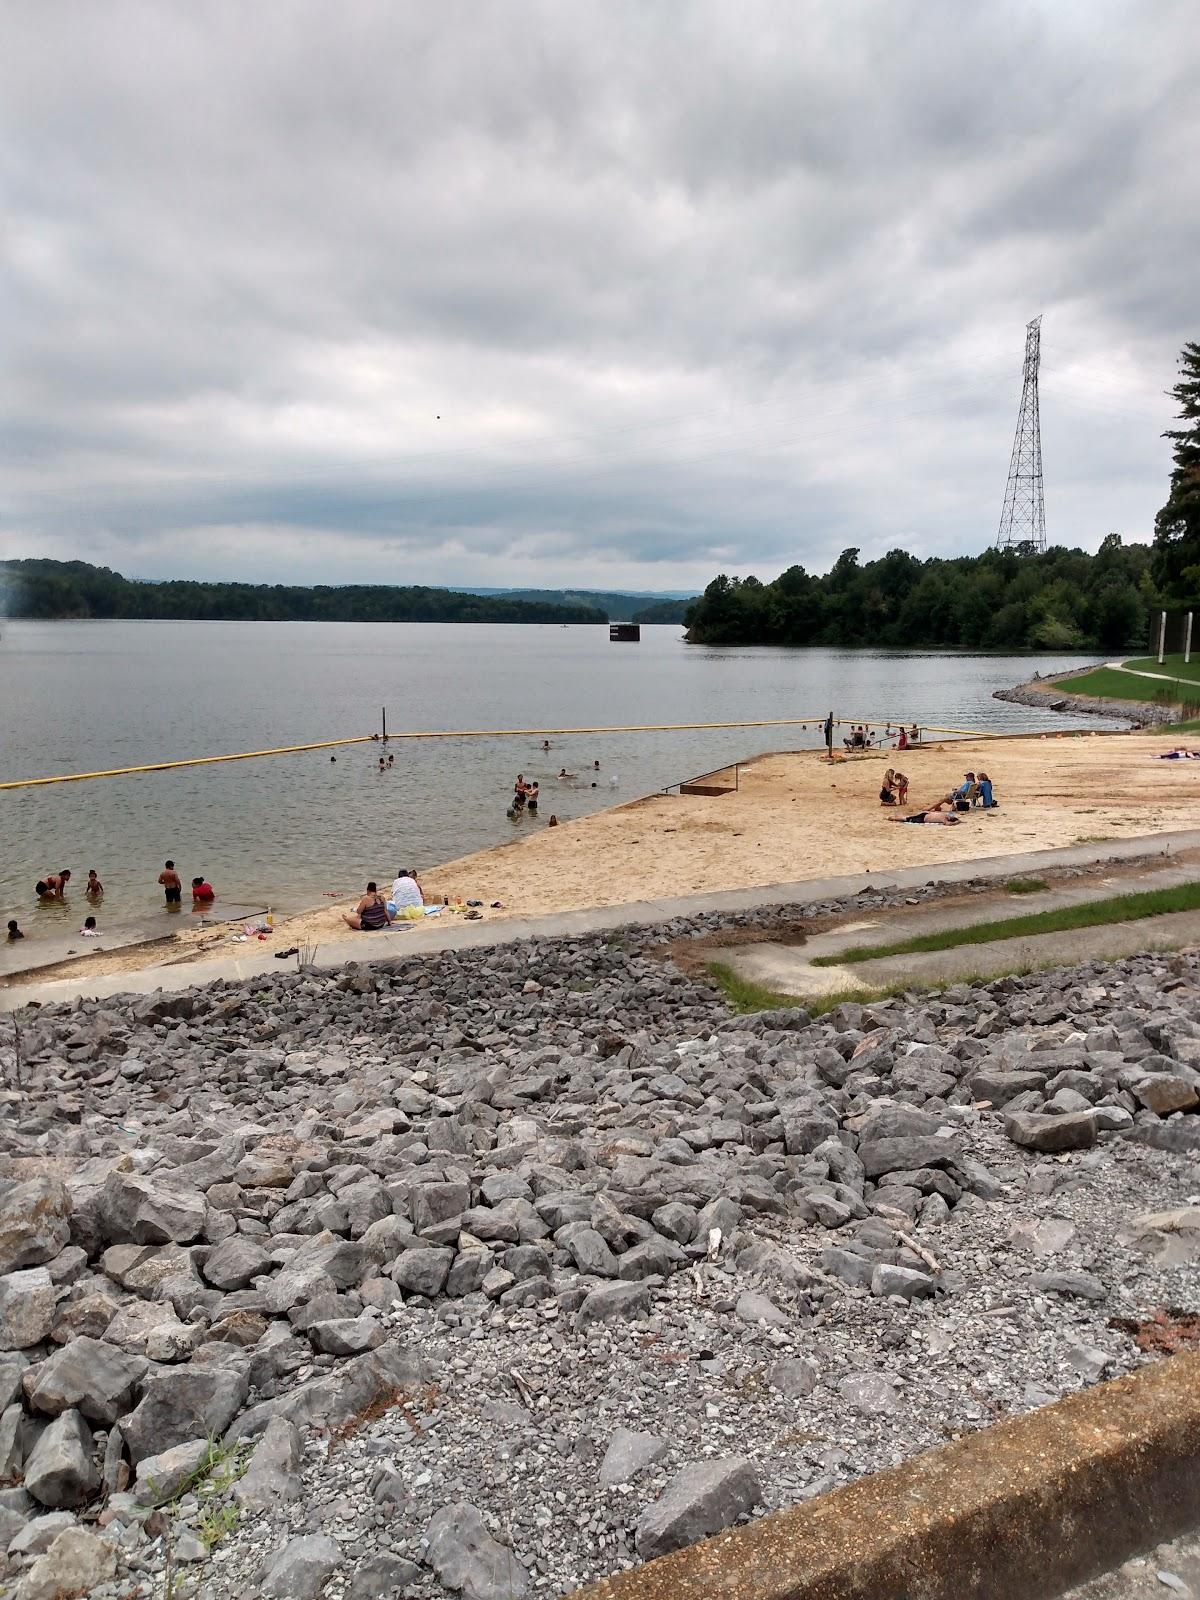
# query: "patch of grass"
{"type": "Point", "coordinates": [744, 996]}
{"type": "Point", "coordinates": [1108, 683]}
{"type": "Point", "coordinates": [1118, 908]}
{"type": "Point", "coordinates": [1172, 667]}
{"type": "Point", "coordinates": [1025, 886]}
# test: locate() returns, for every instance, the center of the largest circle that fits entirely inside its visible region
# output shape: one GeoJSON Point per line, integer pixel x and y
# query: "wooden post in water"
{"type": "Point", "coordinates": [385, 724]}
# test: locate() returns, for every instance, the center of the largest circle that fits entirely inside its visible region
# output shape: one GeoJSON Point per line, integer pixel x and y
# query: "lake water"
{"type": "Point", "coordinates": [82, 696]}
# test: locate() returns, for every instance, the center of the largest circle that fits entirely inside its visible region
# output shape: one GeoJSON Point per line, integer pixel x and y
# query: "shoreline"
{"type": "Point", "coordinates": [793, 817]}
{"type": "Point", "coordinates": [1047, 694]}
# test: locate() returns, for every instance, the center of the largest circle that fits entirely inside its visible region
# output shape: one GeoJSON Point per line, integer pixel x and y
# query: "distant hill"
{"type": "Point", "coordinates": [71, 589]}
{"type": "Point", "coordinates": [664, 611]}
{"type": "Point", "coordinates": [618, 607]}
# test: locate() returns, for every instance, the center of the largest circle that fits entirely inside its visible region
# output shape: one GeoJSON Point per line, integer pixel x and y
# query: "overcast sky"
{"type": "Point", "coordinates": [608, 294]}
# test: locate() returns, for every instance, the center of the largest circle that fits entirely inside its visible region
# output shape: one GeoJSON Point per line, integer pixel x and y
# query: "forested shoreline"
{"type": "Point", "coordinates": [49, 590]}
{"type": "Point", "coordinates": [1060, 600]}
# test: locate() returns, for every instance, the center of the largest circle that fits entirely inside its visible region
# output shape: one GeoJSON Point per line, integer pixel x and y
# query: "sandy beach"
{"type": "Point", "coordinates": [793, 816]}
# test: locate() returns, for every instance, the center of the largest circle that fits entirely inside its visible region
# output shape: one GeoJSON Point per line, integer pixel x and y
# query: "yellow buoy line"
{"type": "Point", "coordinates": [470, 733]}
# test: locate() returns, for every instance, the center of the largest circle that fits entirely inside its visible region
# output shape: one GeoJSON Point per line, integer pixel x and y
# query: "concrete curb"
{"type": "Point", "coordinates": [1018, 1511]}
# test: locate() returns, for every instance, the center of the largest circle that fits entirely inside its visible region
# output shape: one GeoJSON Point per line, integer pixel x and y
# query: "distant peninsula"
{"type": "Point", "coordinates": [65, 590]}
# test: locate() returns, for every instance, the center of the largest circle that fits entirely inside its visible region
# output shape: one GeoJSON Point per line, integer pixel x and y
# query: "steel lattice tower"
{"type": "Point", "coordinates": [1023, 520]}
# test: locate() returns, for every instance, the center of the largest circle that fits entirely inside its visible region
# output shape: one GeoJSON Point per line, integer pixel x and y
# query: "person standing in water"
{"type": "Point", "coordinates": [172, 884]}
{"type": "Point", "coordinates": [94, 888]}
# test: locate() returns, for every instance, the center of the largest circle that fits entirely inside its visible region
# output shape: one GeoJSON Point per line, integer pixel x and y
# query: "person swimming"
{"type": "Point", "coordinates": [14, 931]}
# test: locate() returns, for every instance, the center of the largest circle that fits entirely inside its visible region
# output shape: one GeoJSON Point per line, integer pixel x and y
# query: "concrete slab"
{"type": "Point", "coordinates": [434, 934]}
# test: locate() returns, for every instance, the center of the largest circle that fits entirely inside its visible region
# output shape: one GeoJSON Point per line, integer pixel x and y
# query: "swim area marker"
{"type": "Point", "coordinates": [476, 733]}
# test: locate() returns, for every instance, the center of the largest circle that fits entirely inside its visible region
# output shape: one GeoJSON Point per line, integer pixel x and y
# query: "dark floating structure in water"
{"type": "Point", "coordinates": [624, 633]}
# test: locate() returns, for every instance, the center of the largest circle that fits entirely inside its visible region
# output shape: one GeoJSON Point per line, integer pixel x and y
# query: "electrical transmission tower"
{"type": "Point", "coordinates": [1023, 520]}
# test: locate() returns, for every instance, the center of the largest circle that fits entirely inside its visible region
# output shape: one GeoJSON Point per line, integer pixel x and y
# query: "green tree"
{"type": "Point", "coordinates": [1177, 525]}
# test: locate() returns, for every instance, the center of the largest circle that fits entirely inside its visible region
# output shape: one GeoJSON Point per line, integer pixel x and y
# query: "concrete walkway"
{"type": "Point", "coordinates": [788, 969]}
{"type": "Point", "coordinates": [438, 934]}
{"type": "Point", "coordinates": [1163, 677]}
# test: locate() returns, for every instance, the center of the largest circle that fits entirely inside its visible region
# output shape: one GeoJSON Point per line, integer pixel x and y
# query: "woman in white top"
{"type": "Point", "coordinates": [406, 891]}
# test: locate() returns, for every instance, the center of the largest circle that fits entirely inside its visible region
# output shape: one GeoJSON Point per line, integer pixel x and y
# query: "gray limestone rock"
{"type": "Point", "coordinates": [794, 1377]}
{"type": "Point", "coordinates": [182, 1404]}
{"type": "Point", "coordinates": [145, 1211]}
{"type": "Point", "coordinates": [1074, 1285]}
{"type": "Point", "coordinates": [1076, 1130]}
{"type": "Point", "coordinates": [235, 1262]}
{"type": "Point", "coordinates": [468, 1560]}
{"type": "Point", "coordinates": [905, 1154]}
{"type": "Point", "coordinates": [423, 1271]}
{"type": "Point", "coordinates": [27, 1306]}
{"type": "Point", "coordinates": [589, 1251]}
{"type": "Point", "coordinates": [34, 1223]}
{"type": "Point", "coordinates": [346, 1336]}
{"type": "Point", "coordinates": [699, 1501]}
{"type": "Point", "coordinates": [873, 1394]}
{"type": "Point", "coordinates": [628, 1454]}
{"type": "Point", "coordinates": [60, 1471]}
{"type": "Point", "coordinates": [757, 1309]}
{"type": "Point", "coordinates": [903, 1281]}
{"type": "Point", "coordinates": [161, 1477]}
{"type": "Point", "coordinates": [609, 1301]}
{"type": "Point", "coordinates": [301, 1569]}
{"type": "Point", "coordinates": [77, 1563]}
{"type": "Point", "coordinates": [273, 1473]}
{"type": "Point", "coordinates": [90, 1375]}
{"type": "Point", "coordinates": [383, 1575]}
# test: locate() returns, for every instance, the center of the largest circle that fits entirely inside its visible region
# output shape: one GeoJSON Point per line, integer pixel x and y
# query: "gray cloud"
{"type": "Point", "coordinates": [611, 293]}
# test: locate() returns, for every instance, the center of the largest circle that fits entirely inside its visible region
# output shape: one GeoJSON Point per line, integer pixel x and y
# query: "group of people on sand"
{"type": "Point", "coordinates": [53, 888]}
{"type": "Point", "coordinates": [377, 910]}
{"type": "Point", "coordinates": [860, 738]}
{"type": "Point", "coordinates": [975, 791]}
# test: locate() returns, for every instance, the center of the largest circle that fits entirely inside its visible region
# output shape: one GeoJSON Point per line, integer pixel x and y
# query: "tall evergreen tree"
{"type": "Point", "coordinates": [1176, 561]}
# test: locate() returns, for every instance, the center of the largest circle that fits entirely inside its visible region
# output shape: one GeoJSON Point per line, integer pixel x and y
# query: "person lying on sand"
{"type": "Point", "coordinates": [371, 911]}
{"type": "Point", "coordinates": [944, 818]}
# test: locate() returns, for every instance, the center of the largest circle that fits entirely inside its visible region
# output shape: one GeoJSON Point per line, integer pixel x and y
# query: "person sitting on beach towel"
{"type": "Point", "coordinates": [370, 912]}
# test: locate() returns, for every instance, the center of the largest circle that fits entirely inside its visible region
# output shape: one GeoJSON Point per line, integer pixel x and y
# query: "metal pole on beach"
{"type": "Point", "coordinates": [1187, 640]}
{"type": "Point", "coordinates": [1162, 635]}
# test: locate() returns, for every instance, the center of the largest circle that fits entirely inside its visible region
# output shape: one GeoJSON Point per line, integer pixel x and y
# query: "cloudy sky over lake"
{"type": "Point", "coordinates": [609, 294]}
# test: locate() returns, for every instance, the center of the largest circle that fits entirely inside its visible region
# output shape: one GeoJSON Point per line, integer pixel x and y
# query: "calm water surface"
{"type": "Point", "coordinates": [80, 696]}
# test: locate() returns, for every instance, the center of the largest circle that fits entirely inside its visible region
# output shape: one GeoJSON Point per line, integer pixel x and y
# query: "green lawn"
{"type": "Point", "coordinates": [1108, 683]}
{"type": "Point", "coordinates": [1173, 666]}
{"type": "Point", "coordinates": [1094, 914]}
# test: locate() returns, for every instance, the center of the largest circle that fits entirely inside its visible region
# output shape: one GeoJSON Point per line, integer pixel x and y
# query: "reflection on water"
{"type": "Point", "coordinates": [83, 696]}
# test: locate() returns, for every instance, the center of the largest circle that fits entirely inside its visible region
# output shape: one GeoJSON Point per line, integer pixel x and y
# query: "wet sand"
{"type": "Point", "coordinates": [794, 816]}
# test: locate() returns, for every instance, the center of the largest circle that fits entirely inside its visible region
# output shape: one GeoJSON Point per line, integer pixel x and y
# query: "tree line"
{"type": "Point", "coordinates": [74, 589]}
{"type": "Point", "coordinates": [1057, 600]}
{"type": "Point", "coordinates": [1060, 600]}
